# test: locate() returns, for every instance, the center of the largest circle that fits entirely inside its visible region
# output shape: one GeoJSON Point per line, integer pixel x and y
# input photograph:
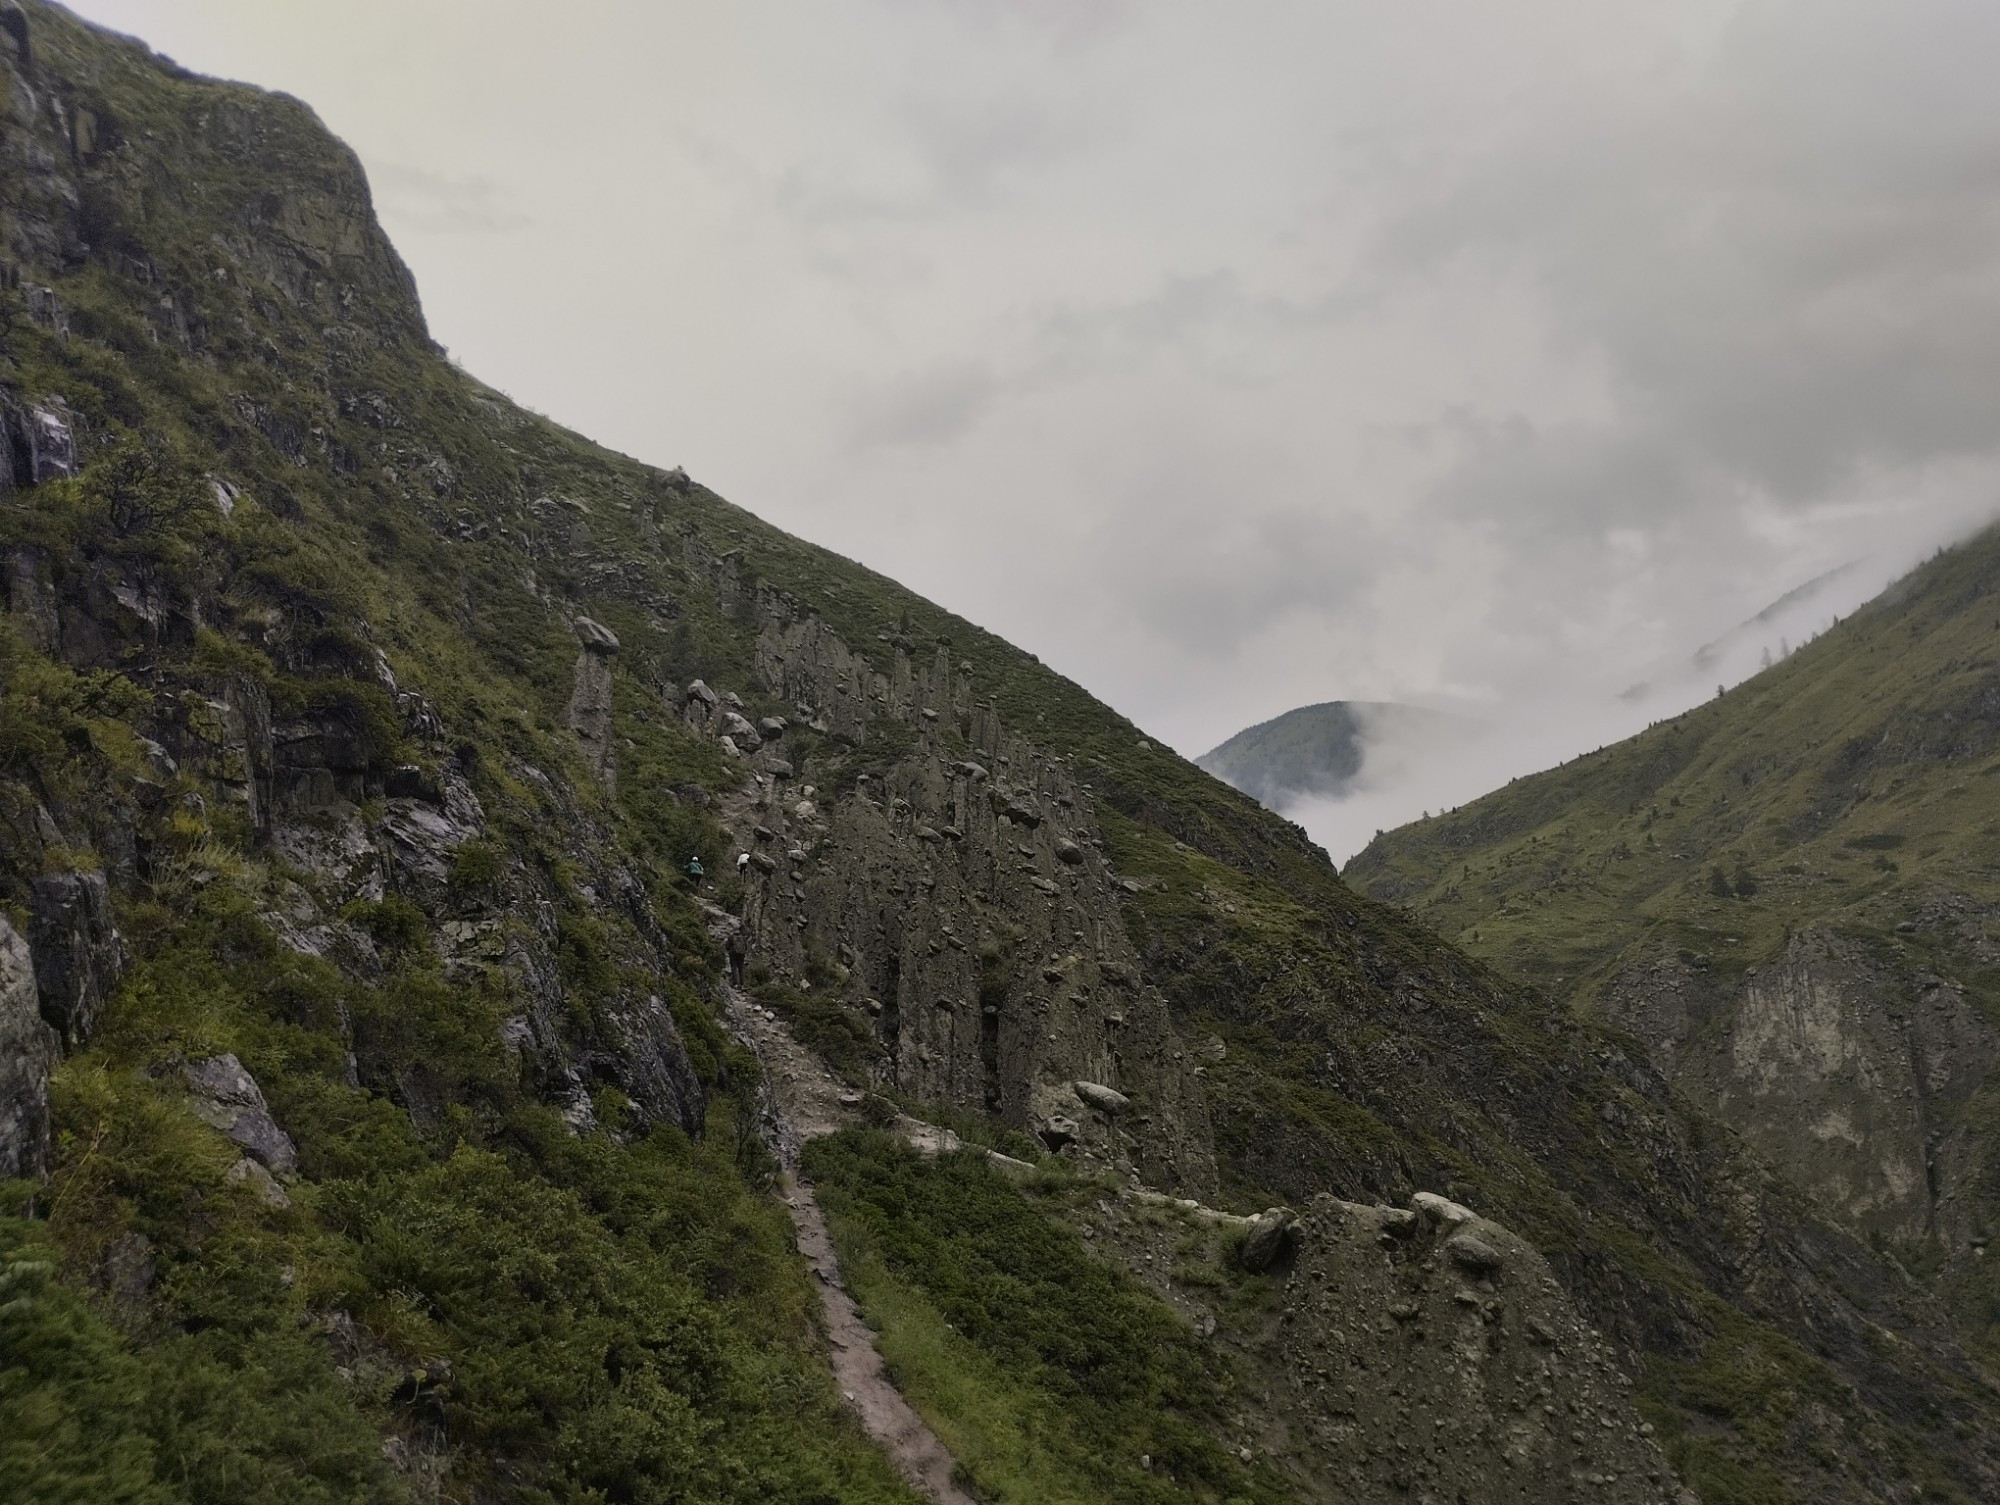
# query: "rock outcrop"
{"type": "Point", "coordinates": [1847, 1073]}
{"type": "Point", "coordinates": [27, 1054]}
{"type": "Point", "coordinates": [227, 1097]}
{"type": "Point", "coordinates": [77, 950]}
{"type": "Point", "coordinates": [964, 900]}
{"type": "Point", "coordinates": [1420, 1353]}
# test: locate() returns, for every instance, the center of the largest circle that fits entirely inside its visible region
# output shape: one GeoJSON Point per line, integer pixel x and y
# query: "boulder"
{"type": "Point", "coordinates": [1474, 1254]}
{"type": "Point", "coordinates": [739, 727]}
{"type": "Point", "coordinates": [1271, 1234]}
{"type": "Point", "coordinates": [248, 1172]}
{"type": "Point", "coordinates": [1104, 1099]}
{"type": "Point", "coordinates": [78, 953]}
{"type": "Point", "coordinates": [27, 1055]}
{"type": "Point", "coordinates": [778, 768]}
{"type": "Point", "coordinates": [1440, 1211]}
{"type": "Point", "coordinates": [228, 1098]}
{"type": "Point", "coordinates": [1057, 1131]}
{"type": "Point", "coordinates": [1068, 851]}
{"type": "Point", "coordinates": [700, 691]}
{"type": "Point", "coordinates": [595, 636]}
{"type": "Point", "coordinates": [773, 726]}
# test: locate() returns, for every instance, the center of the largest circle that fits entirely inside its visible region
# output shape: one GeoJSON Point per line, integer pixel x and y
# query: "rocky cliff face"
{"type": "Point", "coordinates": [1845, 1072]}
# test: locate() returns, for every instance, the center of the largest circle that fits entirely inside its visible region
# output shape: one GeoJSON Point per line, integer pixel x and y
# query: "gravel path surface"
{"type": "Point", "coordinates": [803, 1102]}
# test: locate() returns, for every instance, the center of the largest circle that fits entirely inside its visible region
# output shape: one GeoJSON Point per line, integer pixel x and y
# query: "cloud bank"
{"type": "Point", "coordinates": [1230, 358]}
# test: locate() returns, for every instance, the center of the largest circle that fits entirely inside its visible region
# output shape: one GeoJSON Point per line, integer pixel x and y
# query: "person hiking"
{"type": "Point", "coordinates": [694, 871]}
{"type": "Point", "coordinates": [732, 951]}
{"type": "Point", "coordinates": [742, 863]}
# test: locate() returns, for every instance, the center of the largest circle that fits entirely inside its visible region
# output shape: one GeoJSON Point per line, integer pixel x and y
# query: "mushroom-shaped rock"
{"type": "Point", "coordinates": [1104, 1099]}
{"type": "Point", "coordinates": [973, 772]}
{"type": "Point", "coordinates": [1271, 1233]}
{"type": "Point", "coordinates": [595, 636]}
{"type": "Point", "coordinates": [778, 768]}
{"type": "Point", "coordinates": [700, 691]}
{"type": "Point", "coordinates": [927, 833]}
{"type": "Point", "coordinates": [1068, 851]}
{"type": "Point", "coordinates": [734, 723]}
{"type": "Point", "coordinates": [1440, 1210]}
{"type": "Point", "coordinates": [1473, 1253]}
{"type": "Point", "coordinates": [732, 699]}
{"type": "Point", "coordinates": [1057, 1131]}
{"type": "Point", "coordinates": [228, 1097]}
{"type": "Point", "coordinates": [773, 726]}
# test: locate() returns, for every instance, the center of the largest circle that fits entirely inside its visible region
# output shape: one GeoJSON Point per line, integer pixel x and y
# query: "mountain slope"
{"type": "Point", "coordinates": [1317, 750]}
{"type": "Point", "coordinates": [1788, 895]}
{"type": "Point", "coordinates": [378, 1132]}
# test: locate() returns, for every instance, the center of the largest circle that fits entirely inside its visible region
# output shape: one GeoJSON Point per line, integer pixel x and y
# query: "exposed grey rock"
{"type": "Point", "coordinates": [27, 1055]}
{"type": "Point", "coordinates": [778, 768]}
{"type": "Point", "coordinates": [698, 690]}
{"type": "Point", "coordinates": [228, 1098]}
{"type": "Point", "coordinates": [1473, 1253]}
{"type": "Point", "coordinates": [740, 729]}
{"type": "Point", "coordinates": [1068, 851]}
{"type": "Point", "coordinates": [128, 1269]}
{"type": "Point", "coordinates": [1104, 1099]}
{"type": "Point", "coordinates": [261, 1181]}
{"type": "Point", "coordinates": [51, 444]}
{"type": "Point", "coordinates": [595, 636]}
{"type": "Point", "coordinates": [772, 726]}
{"type": "Point", "coordinates": [77, 950]}
{"type": "Point", "coordinates": [590, 701]}
{"type": "Point", "coordinates": [655, 1072]}
{"type": "Point", "coordinates": [1057, 1131]}
{"type": "Point", "coordinates": [1440, 1210]}
{"type": "Point", "coordinates": [14, 22]}
{"type": "Point", "coordinates": [1270, 1235]}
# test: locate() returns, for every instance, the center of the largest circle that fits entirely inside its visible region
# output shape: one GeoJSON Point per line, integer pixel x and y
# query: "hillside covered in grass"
{"type": "Point", "coordinates": [371, 1123]}
{"type": "Point", "coordinates": [1788, 894]}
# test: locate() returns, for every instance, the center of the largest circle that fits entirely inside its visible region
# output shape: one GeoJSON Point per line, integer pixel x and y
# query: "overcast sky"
{"type": "Point", "coordinates": [1230, 357]}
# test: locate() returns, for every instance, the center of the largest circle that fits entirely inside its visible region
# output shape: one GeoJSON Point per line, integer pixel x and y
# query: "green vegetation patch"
{"type": "Point", "coordinates": [1058, 1376]}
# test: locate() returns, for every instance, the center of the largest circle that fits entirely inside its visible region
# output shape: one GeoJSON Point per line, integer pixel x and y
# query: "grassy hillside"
{"type": "Point", "coordinates": [1857, 776]}
{"type": "Point", "coordinates": [306, 582]}
{"type": "Point", "coordinates": [1846, 799]}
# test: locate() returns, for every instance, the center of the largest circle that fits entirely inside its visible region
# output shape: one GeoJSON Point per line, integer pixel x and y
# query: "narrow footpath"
{"type": "Point", "coordinates": [803, 1101]}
